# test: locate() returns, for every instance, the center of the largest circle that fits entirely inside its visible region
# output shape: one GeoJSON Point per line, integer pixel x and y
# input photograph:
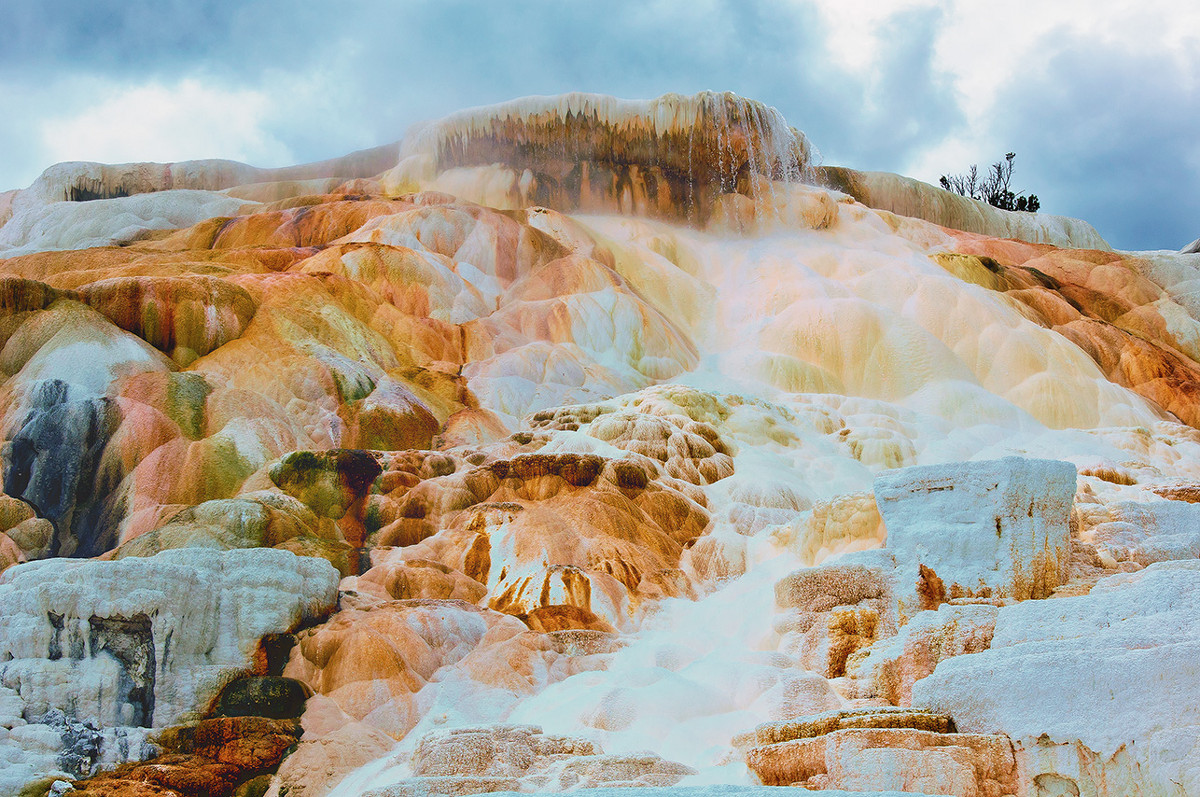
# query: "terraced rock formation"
{"type": "Point", "coordinates": [579, 442]}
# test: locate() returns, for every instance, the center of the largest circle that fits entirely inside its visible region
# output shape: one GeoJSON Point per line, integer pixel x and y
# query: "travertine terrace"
{"type": "Point", "coordinates": [588, 443]}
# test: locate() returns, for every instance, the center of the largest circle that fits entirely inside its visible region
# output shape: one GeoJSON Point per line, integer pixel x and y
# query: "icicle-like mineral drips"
{"type": "Point", "coordinates": [671, 157]}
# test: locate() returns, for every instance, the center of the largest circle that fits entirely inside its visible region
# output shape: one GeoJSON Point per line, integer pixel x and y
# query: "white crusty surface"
{"type": "Point", "coordinates": [207, 611]}
{"type": "Point", "coordinates": [1113, 669]}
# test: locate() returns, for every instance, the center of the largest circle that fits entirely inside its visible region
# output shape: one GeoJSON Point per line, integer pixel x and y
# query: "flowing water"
{"type": "Point", "coordinates": [837, 350]}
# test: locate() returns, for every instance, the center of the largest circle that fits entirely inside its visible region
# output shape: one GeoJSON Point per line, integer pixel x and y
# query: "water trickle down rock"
{"type": "Point", "coordinates": [673, 156]}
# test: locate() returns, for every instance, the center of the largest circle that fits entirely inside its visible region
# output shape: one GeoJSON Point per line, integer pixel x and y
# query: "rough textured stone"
{"type": "Point", "coordinates": [1142, 532]}
{"type": "Point", "coordinates": [373, 661]}
{"type": "Point", "coordinates": [586, 151]}
{"type": "Point", "coordinates": [890, 668]}
{"type": "Point", "coordinates": [995, 528]}
{"type": "Point", "coordinates": [328, 482]}
{"type": "Point", "coordinates": [832, 611]}
{"type": "Point", "coordinates": [827, 722]}
{"type": "Point", "coordinates": [262, 696]}
{"type": "Point", "coordinates": [214, 758]}
{"type": "Point", "coordinates": [183, 317]}
{"type": "Point", "coordinates": [905, 760]}
{"type": "Point", "coordinates": [93, 663]}
{"type": "Point", "coordinates": [320, 763]}
{"type": "Point", "coordinates": [582, 531]}
{"type": "Point", "coordinates": [520, 757]}
{"type": "Point", "coordinates": [908, 197]}
{"type": "Point", "coordinates": [1099, 689]}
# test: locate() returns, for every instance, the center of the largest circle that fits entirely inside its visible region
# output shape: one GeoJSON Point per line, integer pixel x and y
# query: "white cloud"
{"type": "Point", "coordinates": [853, 27]}
{"type": "Point", "coordinates": [921, 87]}
{"type": "Point", "coordinates": [160, 122]}
{"type": "Point", "coordinates": [984, 44]}
{"type": "Point", "coordinates": [982, 47]}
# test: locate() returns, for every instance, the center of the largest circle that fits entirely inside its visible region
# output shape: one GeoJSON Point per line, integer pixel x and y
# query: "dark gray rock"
{"type": "Point", "coordinates": [81, 742]}
{"type": "Point", "coordinates": [52, 463]}
{"type": "Point", "coordinates": [263, 696]}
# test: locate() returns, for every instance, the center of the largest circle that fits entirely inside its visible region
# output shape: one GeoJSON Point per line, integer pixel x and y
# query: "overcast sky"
{"type": "Point", "coordinates": [1100, 99]}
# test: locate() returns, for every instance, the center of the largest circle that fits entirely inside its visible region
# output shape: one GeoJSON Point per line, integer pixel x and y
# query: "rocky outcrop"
{"type": "Point", "coordinates": [522, 758]}
{"type": "Point", "coordinates": [1089, 688]}
{"type": "Point", "coordinates": [322, 760]}
{"type": "Point", "coordinates": [372, 661]}
{"type": "Point", "coordinates": [889, 669]}
{"type": "Point", "coordinates": [546, 530]}
{"type": "Point", "coordinates": [671, 156]}
{"type": "Point", "coordinates": [832, 611]}
{"type": "Point", "coordinates": [993, 529]}
{"type": "Point", "coordinates": [90, 665]}
{"type": "Point", "coordinates": [78, 205]}
{"type": "Point", "coordinates": [61, 420]}
{"type": "Point", "coordinates": [53, 463]}
{"type": "Point", "coordinates": [393, 576]}
{"type": "Point", "coordinates": [263, 520]}
{"type": "Point", "coordinates": [109, 222]}
{"type": "Point", "coordinates": [333, 484]}
{"type": "Point", "coordinates": [83, 182]}
{"type": "Point", "coordinates": [688, 449]}
{"type": "Point", "coordinates": [987, 532]}
{"type": "Point", "coordinates": [183, 317]}
{"type": "Point", "coordinates": [878, 750]}
{"type": "Point", "coordinates": [1141, 533]}
{"type": "Point", "coordinates": [905, 196]}
{"type": "Point", "coordinates": [213, 758]}
{"type": "Point", "coordinates": [1133, 316]}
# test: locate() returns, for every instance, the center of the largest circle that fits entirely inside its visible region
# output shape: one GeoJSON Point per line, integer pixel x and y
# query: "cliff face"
{"type": "Point", "coordinates": [83, 182]}
{"type": "Point", "coordinates": [671, 157]}
{"type": "Point", "coordinates": [905, 196]}
{"type": "Point", "coordinates": [577, 426]}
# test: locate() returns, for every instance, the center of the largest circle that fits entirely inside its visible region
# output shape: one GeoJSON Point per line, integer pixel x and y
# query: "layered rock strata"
{"type": "Point", "coordinates": [351, 480]}
{"type": "Point", "coordinates": [96, 654]}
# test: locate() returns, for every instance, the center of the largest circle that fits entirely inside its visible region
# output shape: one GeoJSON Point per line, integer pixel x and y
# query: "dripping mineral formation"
{"type": "Point", "coordinates": [581, 442]}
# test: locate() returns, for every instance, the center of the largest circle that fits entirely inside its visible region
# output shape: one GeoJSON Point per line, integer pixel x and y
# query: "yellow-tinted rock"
{"type": "Point", "coordinates": [893, 759]}
{"type": "Point", "coordinates": [371, 662]}
{"type": "Point", "coordinates": [183, 317]}
{"type": "Point", "coordinates": [575, 530]}
{"type": "Point", "coordinates": [13, 512]}
{"type": "Point", "coordinates": [405, 579]}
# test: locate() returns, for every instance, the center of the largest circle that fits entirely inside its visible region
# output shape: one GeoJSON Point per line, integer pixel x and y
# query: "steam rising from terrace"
{"type": "Point", "coordinates": [429, 484]}
{"type": "Point", "coordinates": [670, 157]}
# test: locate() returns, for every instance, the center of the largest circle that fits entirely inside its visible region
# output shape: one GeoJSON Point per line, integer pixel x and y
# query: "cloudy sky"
{"type": "Point", "coordinates": [1100, 99]}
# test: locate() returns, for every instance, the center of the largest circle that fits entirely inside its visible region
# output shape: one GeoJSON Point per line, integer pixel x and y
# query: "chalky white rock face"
{"type": "Point", "coordinates": [1095, 688]}
{"type": "Point", "coordinates": [621, 420]}
{"type": "Point", "coordinates": [100, 652]}
{"type": "Point", "coordinates": [1142, 533]}
{"type": "Point", "coordinates": [997, 529]}
{"type": "Point", "coordinates": [108, 222]}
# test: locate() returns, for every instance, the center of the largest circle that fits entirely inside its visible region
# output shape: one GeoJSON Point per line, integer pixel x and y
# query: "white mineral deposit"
{"type": "Point", "coordinates": [576, 442]}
